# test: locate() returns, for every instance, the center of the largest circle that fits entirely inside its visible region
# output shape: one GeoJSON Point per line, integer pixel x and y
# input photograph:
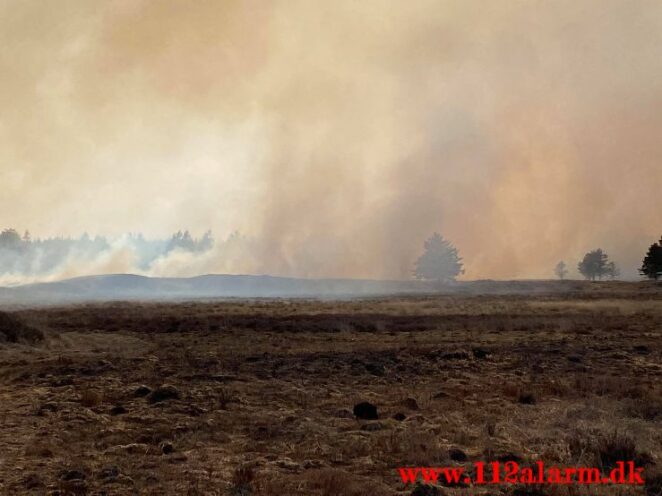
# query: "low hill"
{"type": "Point", "coordinates": [135, 287]}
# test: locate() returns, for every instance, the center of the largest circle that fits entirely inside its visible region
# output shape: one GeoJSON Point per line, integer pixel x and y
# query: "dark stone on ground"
{"type": "Point", "coordinates": [47, 407]}
{"type": "Point", "coordinates": [527, 398]}
{"type": "Point", "coordinates": [480, 353]}
{"type": "Point", "coordinates": [365, 411]}
{"type": "Point", "coordinates": [163, 393]}
{"type": "Point", "coordinates": [142, 391]}
{"type": "Point", "coordinates": [74, 474]}
{"type": "Point", "coordinates": [509, 457]}
{"type": "Point", "coordinates": [118, 410]}
{"type": "Point", "coordinates": [457, 455]}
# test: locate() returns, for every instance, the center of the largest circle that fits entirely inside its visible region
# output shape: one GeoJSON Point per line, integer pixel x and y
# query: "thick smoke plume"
{"type": "Point", "coordinates": [338, 135]}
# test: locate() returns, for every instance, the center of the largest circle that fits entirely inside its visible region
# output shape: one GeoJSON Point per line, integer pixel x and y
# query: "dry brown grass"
{"type": "Point", "coordinates": [264, 388]}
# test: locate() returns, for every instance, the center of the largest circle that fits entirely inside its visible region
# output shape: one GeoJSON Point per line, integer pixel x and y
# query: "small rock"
{"type": "Point", "coordinates": [167, 448]}
{"type": "Point", "coordinates": [410, 403]}
{"type": "Point", "coordinates": [509, 457]}
{"type": "Point", "coordinates": [47, 407]}
{"type": "Point", "coordinates": [163, 393]}
{"type": "Point", "coordinates": [480, 353]}
{"type": "Point", "coordinates": [399, 416]}
{"type": "Point", "coordinates": [457, 455]}
{"type": "Point", "coordinates": [440, 395]}
{"type": "Point", "coordinates": [526, 398]}
{"type": "Point", "coordinates": [142, 391]}
{"type": "Point", "coordinates": [118, 410]}
{"type": "Point", "coordinates": [365, 411]}
{"type": "Point", "coordinates": [641, 349]}
{"type": "Point", "coordinates": [69, 475]}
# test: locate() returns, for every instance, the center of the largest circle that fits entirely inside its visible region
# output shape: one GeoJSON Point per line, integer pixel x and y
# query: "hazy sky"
{"type": "Point", "coordinates": [337, 135]}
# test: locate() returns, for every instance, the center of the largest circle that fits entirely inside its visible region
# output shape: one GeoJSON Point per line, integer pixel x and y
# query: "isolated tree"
{"type": "Point", "coordinates": [651, 267]}
{"type": "Point", "coordinates": [561, 270]}
{"type": "Point", "coordinates": [440, 261]}
{"type": "Point", "coordinates": [612, 271]}
{"type": "Point", "coordinates": [594, 265]}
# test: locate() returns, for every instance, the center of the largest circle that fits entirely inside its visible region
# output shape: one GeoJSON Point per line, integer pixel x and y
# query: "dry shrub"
{"type": "Point", "coordinates": [242, 481]}
{"type": "Point", "coordinates": [647, 407]}
{"type": "Point", "coordinates": [614, 386]}
{"type": "Point", "coordinates": [14, 330]}
{"type": "Point", "coordinates": [618, 447]}
{"type": "Point", "coordinates": [413, 448]}
{"type": "Point", "coordinates": [604, 450]}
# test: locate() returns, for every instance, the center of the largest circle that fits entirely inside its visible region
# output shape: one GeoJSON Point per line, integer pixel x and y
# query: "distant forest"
{"type": "Point", "coordinates": [23, 255]}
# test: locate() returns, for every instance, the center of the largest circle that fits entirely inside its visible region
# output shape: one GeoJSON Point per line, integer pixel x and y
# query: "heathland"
{"type": "Point", "coordinates": [257, 396]}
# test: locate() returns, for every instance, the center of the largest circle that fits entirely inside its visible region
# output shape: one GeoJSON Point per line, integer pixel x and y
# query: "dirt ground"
{"type": "Point", "coordinates": [256, 397]}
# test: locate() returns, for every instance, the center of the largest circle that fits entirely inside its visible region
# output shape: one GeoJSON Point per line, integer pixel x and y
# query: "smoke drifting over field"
{"type": "Point", "coordinates": [337, 135]}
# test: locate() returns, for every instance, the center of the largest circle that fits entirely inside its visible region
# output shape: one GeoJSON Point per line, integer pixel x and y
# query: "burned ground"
{"type": "Point", "coordinates": [257, 397]}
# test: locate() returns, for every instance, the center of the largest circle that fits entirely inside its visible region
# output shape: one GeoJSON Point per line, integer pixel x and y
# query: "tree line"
{"type": "Point", "coordinates": [441, 262]}
{"type": "Point", "coordinates": [25, 255]}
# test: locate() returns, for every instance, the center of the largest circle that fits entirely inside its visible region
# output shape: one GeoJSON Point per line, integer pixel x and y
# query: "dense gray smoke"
{"type": "Point", "coordinates": [336, 135]}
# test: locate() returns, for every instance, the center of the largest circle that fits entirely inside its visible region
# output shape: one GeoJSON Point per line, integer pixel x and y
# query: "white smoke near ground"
{"type": "Point", "coordinates": [182, 255]}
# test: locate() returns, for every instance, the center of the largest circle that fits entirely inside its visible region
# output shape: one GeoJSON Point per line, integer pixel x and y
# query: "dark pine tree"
{"type": "Point", "coordinates": [594, 265]}
{"type": "Point", "coordinates": [440, 261]}
{"type": "Point", "coordinates": [651, 267]}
